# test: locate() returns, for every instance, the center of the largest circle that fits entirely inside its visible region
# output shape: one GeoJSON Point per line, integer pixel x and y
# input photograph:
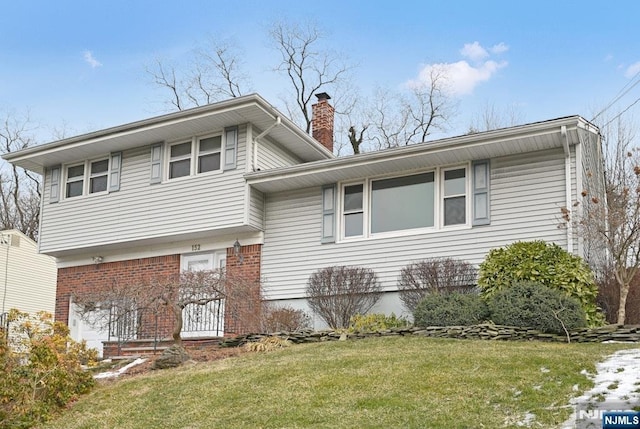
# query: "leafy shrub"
{"type": "Point", "coordinates": [376, 322]}
{"type": "Point", "coordinates": [435, 275]}
{"type": "Point", "coordinates": [338, 293]}
{"type": "Point", "coordinates": [453, 309]}
{"type": "Point", "coordinates": [284, 318]}
{"type": "Point", "coordinates": [41, 370]}
{"type": "Point", "coordinates": [543, 263]}
{"type": "Point", "coordinates": [534, 305]}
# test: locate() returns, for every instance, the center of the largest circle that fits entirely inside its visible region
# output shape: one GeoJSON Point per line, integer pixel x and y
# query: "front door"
{"type": "Point", "coordinates": [203, 320]}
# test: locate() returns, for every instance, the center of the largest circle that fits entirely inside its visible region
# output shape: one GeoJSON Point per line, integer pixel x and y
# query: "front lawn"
{"type": "Point", "coordinates": [396, 382]}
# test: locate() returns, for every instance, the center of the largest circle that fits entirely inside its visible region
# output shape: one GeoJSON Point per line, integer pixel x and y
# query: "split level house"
{"type": "Point", "coordinates": [176, 192]}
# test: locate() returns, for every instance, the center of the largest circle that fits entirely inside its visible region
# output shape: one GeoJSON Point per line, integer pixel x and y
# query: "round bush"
{"type": "Point", "coordinates": [453, 309]}
{"type": "Point", "coordinates": [533, 305]}
{"type": "Point", "coordinates": [544, 263]}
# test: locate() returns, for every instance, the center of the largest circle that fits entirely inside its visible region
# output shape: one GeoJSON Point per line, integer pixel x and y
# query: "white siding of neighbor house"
{"type": "Point", "coordinates": [272, 156]}
{"type": "Point", "coordinates": [141, 210]}
{"type": "Point", "coordinates": [527, 192]}
{"type": "Point", "coordinates": [30, 277]}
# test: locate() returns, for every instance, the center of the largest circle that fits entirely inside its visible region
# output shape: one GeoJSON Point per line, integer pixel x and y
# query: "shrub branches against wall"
{"type": "Point", "coordinates": [338, 293]}
{"type": "Point", "coordinates": [435, 275]}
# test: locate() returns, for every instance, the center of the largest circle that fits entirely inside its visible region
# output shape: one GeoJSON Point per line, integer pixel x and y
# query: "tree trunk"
{"type": "Point", "coordinates": [177, 327]}
{"type": "Point", "coordinates": [624, 291]}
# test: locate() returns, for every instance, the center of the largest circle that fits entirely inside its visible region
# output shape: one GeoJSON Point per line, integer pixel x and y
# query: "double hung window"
{"type": "Point", "coordinates": [75, 181]}
{"type": "Point", "coordinates": [209, 151]}
{"type": "Point", "coordinates": [199, 155]}
{"type": "Point", "coordinates": [90, 177]}
{"type": "Point", "coordinates": [179, 160]}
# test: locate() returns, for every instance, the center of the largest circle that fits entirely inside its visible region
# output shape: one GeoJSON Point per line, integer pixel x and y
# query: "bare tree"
{"type": "Point", "coordinates": [435, 275]}
{"type": "Point", "coordinates": [20, 190]}
{"type": "Point", "coordinates": [215, 73]}
{"type": "Point", "coordinates": [493, 118]}
{"type": "Point", "coordinates": [126, 301]}
{"type": "Point", "coordinates": [404, 118]}
{"type": "Point", "coordinates": [308, 67]}
{"type": "Point", "coordinates": [613, 219]}
{"type": "Point", "coordinates": [338, 293]}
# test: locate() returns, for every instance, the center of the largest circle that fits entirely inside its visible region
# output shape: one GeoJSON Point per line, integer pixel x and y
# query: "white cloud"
{"type": "Point", "coordinates": [632, 70]}
{"type": "Point", "coordinates": [500, 48]}
{"type": "Point", "coordinates": [462, 77]}
{"type": "Point", "coordinates": [474, 51]}
{"type": "Point", "coordinates": [89, 58]}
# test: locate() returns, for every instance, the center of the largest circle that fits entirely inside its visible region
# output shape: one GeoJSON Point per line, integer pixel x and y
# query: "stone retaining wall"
{"type": "Point", "coordinates": [485, 331]}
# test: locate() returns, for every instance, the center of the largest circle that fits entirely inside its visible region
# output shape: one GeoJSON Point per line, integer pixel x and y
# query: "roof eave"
{"type": "Point", "coordinates": [35, 158]}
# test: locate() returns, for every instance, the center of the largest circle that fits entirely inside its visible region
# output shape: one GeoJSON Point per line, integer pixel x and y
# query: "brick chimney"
{"type": "Point", "coordinates": [322, 121]}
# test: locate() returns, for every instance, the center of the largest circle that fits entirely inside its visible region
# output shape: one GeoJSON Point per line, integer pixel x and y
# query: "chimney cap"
{"type": "Point", "coordinates": [323, 96]}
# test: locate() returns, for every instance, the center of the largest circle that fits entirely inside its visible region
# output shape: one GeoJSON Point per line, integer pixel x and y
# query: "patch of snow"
{"type": "Point", "coordinates": [616, 387]}
{"type": "Point", "coordinates": [527, 420]}
{"type": "Point", "coordinates": [111, 374]}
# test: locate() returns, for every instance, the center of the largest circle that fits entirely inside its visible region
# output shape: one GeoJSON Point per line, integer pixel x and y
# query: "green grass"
{"type": "Point", "coordinates": [376, 383]}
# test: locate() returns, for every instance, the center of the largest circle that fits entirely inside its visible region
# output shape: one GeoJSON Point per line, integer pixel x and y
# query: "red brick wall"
{"type": "Point", "coordinates": [242, 307]}
{"type": "Point", "coordinates": [91, 277]}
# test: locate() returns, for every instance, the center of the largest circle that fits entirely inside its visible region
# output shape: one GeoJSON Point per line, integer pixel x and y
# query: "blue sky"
{"type": "Point", "coordinates": [80, 66]}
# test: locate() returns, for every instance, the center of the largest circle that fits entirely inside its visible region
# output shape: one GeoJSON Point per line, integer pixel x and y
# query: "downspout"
{"type": "Point", "coordinates": [258, 137]}
{"type": "Point", "coordinates": [567, 175]}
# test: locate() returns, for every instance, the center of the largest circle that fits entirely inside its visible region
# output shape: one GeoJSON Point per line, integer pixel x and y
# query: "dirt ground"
{"type": "Point", "coordinates": [198, 355]}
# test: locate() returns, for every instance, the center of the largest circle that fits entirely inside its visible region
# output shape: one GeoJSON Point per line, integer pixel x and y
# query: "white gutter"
{"type": "Point", "coordinates": [567, 174]}
{"type": "Point", "coordinates": [257, 138]}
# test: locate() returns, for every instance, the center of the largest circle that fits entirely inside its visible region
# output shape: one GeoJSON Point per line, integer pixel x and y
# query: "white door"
{"type": "Point", "coordinates": [203, 320]}
{"type": "Point", "coordinates": [88, 327]}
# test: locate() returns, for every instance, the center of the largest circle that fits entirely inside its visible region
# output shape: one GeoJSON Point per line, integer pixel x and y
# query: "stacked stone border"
{"type": "Point", "coordinates": [485, 331]}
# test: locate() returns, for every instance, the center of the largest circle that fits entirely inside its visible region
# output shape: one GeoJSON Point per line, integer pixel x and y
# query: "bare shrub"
{"type": "Point", "coordinates": [434, 275]}
{"type": "Point", "coordinates": [284, 318]}
{"type": "Point", "coordinates": [338, 293]}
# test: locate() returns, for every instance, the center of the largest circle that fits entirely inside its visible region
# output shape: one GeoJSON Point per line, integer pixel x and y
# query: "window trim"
{"type": "Point", "coordinates": [438, 224]}
{"type": "Point", "coordinates": [90, 175]}
{"type": "Point", "coordinates": [113, 175]}
{"type": "Point", "coordinates": [82, 179]}
{"type": "Point", "coordinates": [179, 158]}
{"type": "Point", "coordinates": [444, 197]}
{"type": "Point", "coordinates": [365, 203]}
{"type": "Point", "coordinates": [193, 157]}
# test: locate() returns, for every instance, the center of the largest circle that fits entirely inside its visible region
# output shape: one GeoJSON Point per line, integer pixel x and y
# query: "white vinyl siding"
{"type": "Point", "coordinates": [33, 292]}
{"type": "Point", "coordinates": [256, 209]}
{"type": "Point", "coordinates": [141, 210]}
{"type": "Point", "coordinates": [272, 156]}
{"type": "Point", "coordinates": [527, 192]}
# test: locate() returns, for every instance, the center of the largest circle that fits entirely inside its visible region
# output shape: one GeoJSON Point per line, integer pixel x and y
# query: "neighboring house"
{"type": "Point", "coordinates": [177, 192]}
{"type": "Point", "coordinates": [27, 279]}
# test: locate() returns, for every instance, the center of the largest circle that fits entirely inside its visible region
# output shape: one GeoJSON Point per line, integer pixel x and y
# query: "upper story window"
{"type": "Point", "coordinates": [75, 181]}
{"type": "Point", "coordinates": [98, 176]}
{"type": "Point", "coordinates": [209, 153]}
{"type": "Point", "coordinates": [179, 160]}
{"type": "Point", "coordinates": [198, 156]}
{"type": "Point", "coordinates": [89, 177]}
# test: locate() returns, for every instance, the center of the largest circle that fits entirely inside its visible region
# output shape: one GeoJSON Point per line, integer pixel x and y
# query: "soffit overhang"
{"type": "Point", "coordinates": [534, 137]}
